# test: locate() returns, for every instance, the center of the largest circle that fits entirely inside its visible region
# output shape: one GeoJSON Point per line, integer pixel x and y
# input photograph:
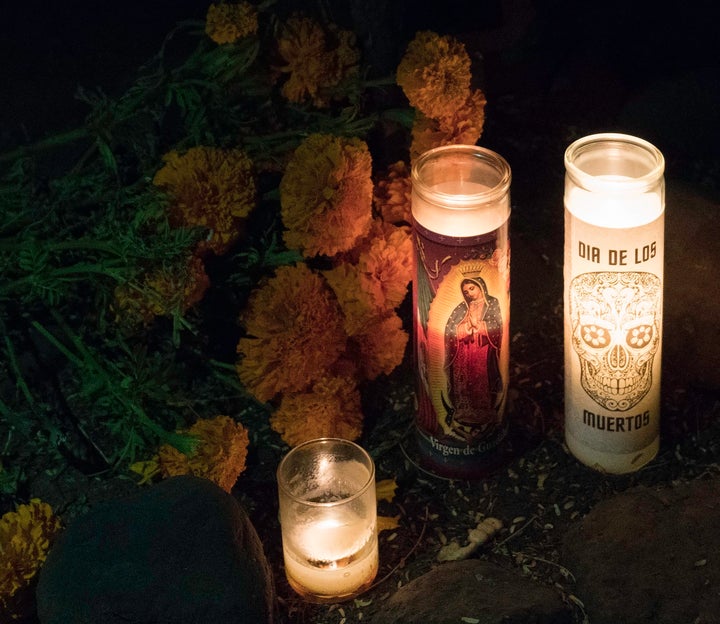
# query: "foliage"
{"type": "Point", "coordinates": [129, 277]}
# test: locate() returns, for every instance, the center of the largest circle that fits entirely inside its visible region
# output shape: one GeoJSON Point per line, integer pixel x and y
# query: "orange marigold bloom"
{"type": "Point", "coordinates": [211, 188]}
{"type": "Point", "coordinates": [434, 73]}
{"type": "Point", "coordinates": [460, 125]}
{"type": "Point", "coordinates": [25, 539]}
{"type": "Point", "coordinates": [357, 305]}
{"type": "Point", "coordinates": [295, 333]}
{"type": "Point", "coordinates": [227, 22]}
{"type": "Point", "coordinates": [330, 409]}
{"type": "Point", "coordinates": [219, 456]}
{"type": "Point", "coordinates": [326, 195]}
{"type": "Point", "coordinates": [386, 267]}
{"type": "Point", "coordinates": [316, 60]}
{"type": "Point", "coordinates": [392, 194]}
{"type": "Point", "coordinates": [172, 462]}
{"type": "Point", "coordinates": [162, 293]}
{"type": "Point", "coordinates": [381, 344]}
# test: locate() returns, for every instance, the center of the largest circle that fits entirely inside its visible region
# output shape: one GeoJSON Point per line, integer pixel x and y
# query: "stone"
{"type": "Point", "coordinates": [473, 590]}
{"type": "Point", "coordinates": [691, 333]}
{"type": "Point", "coordinates": [180, 551]}
{"type": "Point", "coordinates": [649, 555]}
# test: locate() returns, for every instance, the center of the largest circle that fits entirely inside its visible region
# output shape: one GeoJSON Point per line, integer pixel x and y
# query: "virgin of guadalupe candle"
{"type": "Point", "coordinates": [613, 296]}
{"type": "Point", "coordinates": [461, 297]}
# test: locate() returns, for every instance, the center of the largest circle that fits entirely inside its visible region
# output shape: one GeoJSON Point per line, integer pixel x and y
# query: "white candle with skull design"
{"type": "Point", "coordinates": [613, 299]}
{"type": "Point", "coordinates": [461, 291]}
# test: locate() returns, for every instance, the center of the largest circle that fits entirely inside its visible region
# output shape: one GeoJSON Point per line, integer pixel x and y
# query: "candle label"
{"type": "Point", "coordinates": [462, 307]}
{"type": "Point", "coordinates": [613, 334]}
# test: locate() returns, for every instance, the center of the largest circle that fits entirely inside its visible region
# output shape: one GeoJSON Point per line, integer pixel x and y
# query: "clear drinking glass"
{"type": "Point", "coordinates": [328, 517]}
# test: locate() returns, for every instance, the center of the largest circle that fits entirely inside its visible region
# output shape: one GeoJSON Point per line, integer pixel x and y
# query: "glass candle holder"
{"type": "Point", "coordinates": [613, 297]}
{"type": "Point", "coordinates": [328, 518]}
{"type": "Point", "coordinates": [461, 303]}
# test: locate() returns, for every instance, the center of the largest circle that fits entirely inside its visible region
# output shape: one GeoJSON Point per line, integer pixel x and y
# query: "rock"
{"type": "Point", "coordinates": [678, 112]}
{"type": "Point", "coordinates": [691, 333]}
{"type": "Point", "coordinates": [181, 551]}
{"type": "Point", "coordinates": [475, 591]}
{"type": "Point", "coordinates": [649, 556]}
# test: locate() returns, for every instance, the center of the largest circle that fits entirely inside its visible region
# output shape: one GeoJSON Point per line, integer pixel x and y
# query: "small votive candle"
{"type": "Point", "coordinates": [328, 518]}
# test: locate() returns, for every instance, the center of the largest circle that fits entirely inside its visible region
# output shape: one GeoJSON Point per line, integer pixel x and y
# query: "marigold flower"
{"type": "Point", "coordinates": [434, 73]}
{"type": "Point", "coordinates": [387, 523]}
{"type": "Point", "coordinates": [380, 344]}
{"type": "Point", "coordinates": [228, 22]}
{"type": "Point", "coordinates": [330, 409]}
{"type": "Point", "coordinates": [386, 267]}
{"type": "Point", "coordinates": [316, 60]}
{"type": "Point", "coordinates": [385, 490]}
{"type": "Point", "coordinates": [356, 304]}
{"type": "Point", "coordinates": [219, 456]}
{"type": "Point", "coordinates": [461, 125]}
{"type": "Point", "coordinates": [211, 188]}
{"type": "Point", "coordinates": [374, 279]}
{"type": "Point", "coordinates": [25, 539]}
{"type": "Point", "coordinates": [172, 462]}
{"type": "Point", "coordinates": [392, 194]}
{"type": "Point", "coordinates": [465, 123]}
{"type": "Point", "coordinates": [295, 333]}
{"type": "Point", "coordinates": [162, 293]}
{"type": "Point", "coordinates": [326, 195]}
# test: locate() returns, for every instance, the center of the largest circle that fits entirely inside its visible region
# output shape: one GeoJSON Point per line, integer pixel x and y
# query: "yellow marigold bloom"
{"type": "Point", "coordinates": [316, 60]}
{"type": "Point", "coordinates": [295, 333]}
{"type": "Point", "coordinates": [330, 409]}
{"type": "Point", "coordinates": [210, 188]}
{"type": "Point", "coordinates": [228, 22]}
{"type": "Point", "coordinates": [434, 73]}
{"type": "Point", "coordinates": [162, 293]}
{"type": "Point", "coordinates": [25, 539]}
{"type": "Point", "coordinates": [387, 523]}
{"type": "Point", "coordinates": [381, 344]}
{"type": "Point", "coordinates": [219, 456]}
{"type": "Point", "coordinates": [392, 194]}
{"type": "Point", "coordinates": [385, 490]}
{"type": "Point", "coordinates": [326, 195]}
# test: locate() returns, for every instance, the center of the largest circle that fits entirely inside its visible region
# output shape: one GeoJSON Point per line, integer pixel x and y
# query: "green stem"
{"type": "Point", "coordinates": [387, 81]}
{"type": "Point", "coordinates": [80, 244]}
{"type": "Point", "coordinates": [18, 374]}
{"type": "Point", "coordinates": [57, 344]}
{"type": "Point", "coordinates": [49, 143]}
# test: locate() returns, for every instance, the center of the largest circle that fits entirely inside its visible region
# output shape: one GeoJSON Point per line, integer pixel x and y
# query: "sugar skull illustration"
{"type": "Point", "coordinates": [616, 323]}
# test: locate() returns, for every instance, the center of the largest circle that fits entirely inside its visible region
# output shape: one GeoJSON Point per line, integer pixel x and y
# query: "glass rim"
{"type": "Point", "coordinates": [449, 200]}
{"type": "Point", "coordinates": [608, 141]}
{"type": "Point", "coordinates": [320, 441]}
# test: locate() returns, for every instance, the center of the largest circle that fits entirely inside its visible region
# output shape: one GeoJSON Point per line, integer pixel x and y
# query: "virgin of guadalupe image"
{"type": "Point", "coordinates": [473, 337]}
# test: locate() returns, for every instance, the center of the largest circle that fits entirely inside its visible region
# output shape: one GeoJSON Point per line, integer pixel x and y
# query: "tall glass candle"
{"type": "Point", "coordinates": [613, 295]}
{"type": "Point", "coordinates": [328, 518]}
{"type": "Point", "coordinates": [461, 297]}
